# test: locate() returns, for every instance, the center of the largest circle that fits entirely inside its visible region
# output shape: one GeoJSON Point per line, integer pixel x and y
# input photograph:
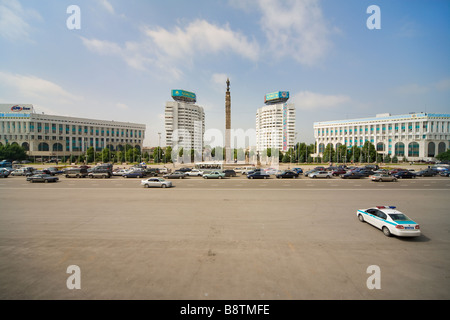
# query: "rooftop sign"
{"type": "Point", "coordinates": [185, 96]}
{"type": "Point", "coordinates": [28, 108]}
{"type": "Point", "coordinates": [276, 97]}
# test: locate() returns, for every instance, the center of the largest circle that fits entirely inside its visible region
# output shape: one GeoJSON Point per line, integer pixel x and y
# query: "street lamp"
{"type": "Point", "coordinates": [159, 146]}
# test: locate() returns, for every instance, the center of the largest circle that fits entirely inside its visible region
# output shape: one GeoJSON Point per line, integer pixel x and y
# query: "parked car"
{"type": "Point", "coordinates": [4, 174]}
{"type": "Point", "coordinates": [134, 174]}
{"type": "Point", "coordinates": [153, 172]}
{"type": "Point", "coordinates": [99, 174]}
{"type": "Point", "coordinates": [320, 174]}
{"type": "Point", "coordinates": [405, 175]}
{"type": "Point", "coordinates": [18, 172]}
{"type": "Point", "coordinates": [120, 172]}
{"type": "Point", "coordinates": [394, 171]}
{"type": "Point", "coordinates": [55, 171]}
{"type": "Point", "coordinates": [270, 171]}
{"type": "Point", "coordinates": [76, 173]}
{"type": "Point", "coordinates": [352, 175]}
{"type": "Point", "coordinates": [42, 178]}
{"type": "Point", "coordinates": [214, 175]}
{"type": "Point", "coordinates": [382, 177]}
{"type": "Point", "coordinates": [229, 173]}
{"type": "Point", "coordinates": [426, 173]}
{"type": "Point", "coordinates": [156, 183]}
{"type": "Point", "coordinates": [338, 172]}
{"type": "Point", "coordinates": [287, 174]}
{"type": "Point", "coordinates": [444, 173]}
{"type": "Point", "coordinates": [366, 172]}
{"type": "Point", "coordinates": [298, 170]}
{"type": "Point", "coordinates": [175, 175]}
{"type": "Point", "coordinates": [184, 169]}
{"type": "Point", "coordinates": [194, 173]}
{"type": "Point", "coordinates": [258, 175]}
{"type": "Point", "coordinates": [247, 170]}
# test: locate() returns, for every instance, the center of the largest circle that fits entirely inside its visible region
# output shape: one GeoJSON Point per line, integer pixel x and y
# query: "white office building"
{"type": "Point", "coordinates": [275, 123]}
{"type": "Point", "coordinates": [55, 136]}
{"type": "Point", "coordinates": [184, 122]}
{"type": "Point", "coordinates": [416, 136]}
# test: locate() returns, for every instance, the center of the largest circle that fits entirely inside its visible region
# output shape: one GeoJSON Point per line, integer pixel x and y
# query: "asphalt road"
{"type": "Point", "coordinates": [220, 239]}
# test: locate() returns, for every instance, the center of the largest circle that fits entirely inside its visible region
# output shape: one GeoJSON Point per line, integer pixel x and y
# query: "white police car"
{"type": "Point", "coordinates": [390, 221]}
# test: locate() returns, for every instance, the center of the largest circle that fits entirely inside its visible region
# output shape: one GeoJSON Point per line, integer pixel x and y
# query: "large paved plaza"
{"type": "Point", "coordinates": [220, 239]}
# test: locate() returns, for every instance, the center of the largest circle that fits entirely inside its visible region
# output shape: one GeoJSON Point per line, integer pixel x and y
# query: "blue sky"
{"type": "Point", "coordinates": [128, 56]}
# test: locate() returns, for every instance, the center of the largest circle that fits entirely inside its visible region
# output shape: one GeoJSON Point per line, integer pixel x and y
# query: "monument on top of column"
{"type": "Point", "coordinates": [228, 152]}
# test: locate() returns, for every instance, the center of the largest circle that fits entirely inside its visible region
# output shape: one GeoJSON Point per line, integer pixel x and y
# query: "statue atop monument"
{"type": "Point", "coordinates": [228, 85]}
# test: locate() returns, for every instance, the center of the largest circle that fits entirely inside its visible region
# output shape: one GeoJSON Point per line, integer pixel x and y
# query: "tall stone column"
{"type": "Point", "coordinates": [228, 151]}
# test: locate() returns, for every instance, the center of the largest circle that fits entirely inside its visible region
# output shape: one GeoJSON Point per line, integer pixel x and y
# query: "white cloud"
{"type": "Point", "coordinates": [410, 89]}
{"type": "Point", "coordinates": [35, 89]}
{"type": "Point", "coordinates": [443, 85]}
{"type": "Point", "coordinates": [14, 20]}
{"type": "Point", "coordinates": [107, 5]}
{"type": "Point", "coordinates": [122, 106]}
{"type": "Point", "coordinates": [170, 51]}
{"type": "Point", "coordinates": [306, 100]}
{"type": "Point", "coordinates": [294, 28]}
{"type": "Point", "coordinates": [199, 38]}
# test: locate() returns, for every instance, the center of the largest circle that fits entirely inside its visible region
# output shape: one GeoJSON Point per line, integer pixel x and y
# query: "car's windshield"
{"type": "Point", "coordinates": [398, 217]}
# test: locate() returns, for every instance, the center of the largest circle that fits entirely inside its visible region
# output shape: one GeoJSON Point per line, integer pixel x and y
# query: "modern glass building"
{"type": "Point", "coordinates": [275, 123]}
{"type": "Point", "coordinates": [416, 136]}
{"type": "Point", "coordinates": [47, 136]}
{"type": "Point", "coordinates": [184, 121]}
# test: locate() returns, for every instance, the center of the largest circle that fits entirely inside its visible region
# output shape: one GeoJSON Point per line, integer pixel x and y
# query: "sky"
{"type": "Point", "coordinates": [123, 58]}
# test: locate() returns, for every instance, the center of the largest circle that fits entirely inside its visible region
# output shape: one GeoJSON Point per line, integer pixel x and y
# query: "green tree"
{"type": "Point", "coordinates": [444, 156]}
{"type": "Point", "coordinates": [12, 152]}
{"type": "Point", "coordinates": [168, 154]}
{"type": "Point", "coordinates": [329, 153]}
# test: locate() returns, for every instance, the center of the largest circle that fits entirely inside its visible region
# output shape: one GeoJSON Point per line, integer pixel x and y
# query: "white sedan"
{"type": "Point", "coordinates": [156, 183]}
{"type": "Point", "coordinates": [390, 221]}
{"type": "Point", "coordinates": [194, 172]}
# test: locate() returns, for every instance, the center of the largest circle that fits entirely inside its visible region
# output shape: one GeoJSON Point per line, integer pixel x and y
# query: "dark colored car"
{"type": "Point", "coordinates": [444, 173]}
{"type": "Point", "coordinates": [365, 172]}
{"type": "Point", "coordinates": [405, 175]}
{"type": "Point", "coordinates": [298, 170]}
{"type": "Point", "coordinates": [287, 174]}
{"type": "Point", "coordinates": [229, 173]}
{"type": "Point", "coordinates": [152, 172]}
{"type": "Point", "coordinates": [184, 169]}
{"type": "Point", "coordinates": [134, 174]}
{"type": "Point", "coordinates": [352, 175]}
{"type": "Point", "coordinates": [426, 173]}
{"type": "Point", "coordinates": [394, 171]}
{"type": "Point", "coordinates": [42, 178]}
{"type": "Point", "coordinates": [54, 171]}
{"type": "Point", "coordinates": [258, 175]}
{"type": "Point", "coordinates": [76, 173]}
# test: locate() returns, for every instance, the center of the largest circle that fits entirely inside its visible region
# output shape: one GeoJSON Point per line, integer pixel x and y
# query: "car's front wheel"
{"type": "Point", "coordinates": [163, 186]}
{"type": "Point", "coordinates": [361, 218]}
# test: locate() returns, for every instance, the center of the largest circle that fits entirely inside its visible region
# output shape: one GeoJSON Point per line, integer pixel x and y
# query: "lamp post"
{"type": "Point", "coordinates": [159, 146]}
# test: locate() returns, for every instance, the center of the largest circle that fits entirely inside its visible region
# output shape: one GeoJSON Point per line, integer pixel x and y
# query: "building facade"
{"type": "Point", "coordinates": [184, 122]}
{"type": "Point", "coordinates": [275, 123]}
{"type": "Point", "coordinates": [414, 136]}
{"type": "Point", "coordinates": [46, 135]}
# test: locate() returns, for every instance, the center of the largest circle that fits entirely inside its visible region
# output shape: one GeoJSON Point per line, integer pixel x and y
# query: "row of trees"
{"type": "Point", "coordinates": [301, 153]}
